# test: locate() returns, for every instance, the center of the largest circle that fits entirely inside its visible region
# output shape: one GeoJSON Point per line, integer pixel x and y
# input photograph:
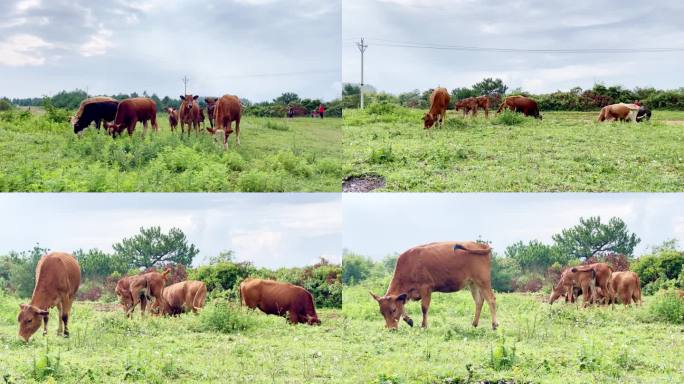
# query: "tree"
{"type": "Point", "coordinates": [489, 85]}
{"type": "Point", "coordinates": [152, 248]}
{"type": "Point", "coordinates": [96, 263]}
{"type": "Point", "coordinates": [226, 256]}
{"type": "Point", "coordinates": [355, 268]}
{"type": "Point", "coordinates": [349, 89]}
{"type": "Point", "coordinates": [463, 93]}
{"type": "Point", "coordinates": [287, 98]}
{"type": "Point", "coordinates": [535, 256]}
{"type": "Point", "coordinates": [592, 238]}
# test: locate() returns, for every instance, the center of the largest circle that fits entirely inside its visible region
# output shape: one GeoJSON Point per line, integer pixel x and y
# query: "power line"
{"type": "Point", "coordinates": [282, 74]}
{"type": "Point", "coordinates": [436, 46]}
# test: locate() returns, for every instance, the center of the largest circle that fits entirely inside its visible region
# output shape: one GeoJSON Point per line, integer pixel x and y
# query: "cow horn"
{"type": "Point", "coordinates": [376, 297]}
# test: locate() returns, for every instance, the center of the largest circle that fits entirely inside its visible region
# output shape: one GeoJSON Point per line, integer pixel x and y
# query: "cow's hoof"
{"type": "Point", "coordinates": [66, 335]}
{"type": "Point", "coordinates": [44, 333]}
{"type": "Point", "coordinates": [495, 326]}
{"type": "Point", "coordinates": [409, 322]}
{"type": "Point", "coordinates": [475, 324]}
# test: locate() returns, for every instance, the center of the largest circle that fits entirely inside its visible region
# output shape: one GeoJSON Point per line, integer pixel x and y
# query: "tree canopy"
{"type": "Point", "coordinates": [152, 248]}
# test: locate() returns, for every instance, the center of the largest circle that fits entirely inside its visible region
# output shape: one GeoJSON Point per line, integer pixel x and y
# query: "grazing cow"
{"type": "Point", "coordinates": [626, 287]}
{"type": "Point", "coordinates": [227, 110]}
{"type": "Point", "coordinates": [184, 296]}
{"type": "Point", "coordinates": [467, 105]}
{"type": "Point", "coordinates": [144, 288]}
{"type": "Point", "coordinates": [94, 109]}
{"type": "Point", "coordinates": [438, 267]}
{"type": "Point", "coordinates": [621, 112]}
{"type": "Point", "coordinates": [521, 104]}
{"type": "Point", "coordinates": [211, 104]}
{"type": "Point", "coordinates": [173, 118]}
{"type": "Point", "coordinates": [200, 122]}
{"type": "Point", "coordinates": [566, 287]}
{"type": "Point", "coordinates": [439, 103]}
{"type": "Point", "coordinates": [591, 276]}
{"type": "Point", "coordinates": [189, 113]}
{"type": "Point", "coordinates": [130, 111]}
{"type": "Point", "coordinates": [58, 276]}
{"type": "Point", "coordinates": [644, 114]}
{"type": "Point", "coordinates": [123, 291]}
{"type": "Point", "coordinates": [277, 298]}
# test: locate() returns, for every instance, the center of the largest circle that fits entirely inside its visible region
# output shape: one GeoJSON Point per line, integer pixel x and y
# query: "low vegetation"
{"type": "Point", "coordinates": [566, 151]}
{"type": "Point", "coordinates": [41, 153]}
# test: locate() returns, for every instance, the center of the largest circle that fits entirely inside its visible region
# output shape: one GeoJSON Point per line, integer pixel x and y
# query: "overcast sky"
{"type": "Point", "coordinates": [520, 24]}
{"type": "Point", "coordinates": [224, 46]}
{"type": "Point", "coordinates": [380, 224]}
{"type": "Point", "coordinates": [270, 230]}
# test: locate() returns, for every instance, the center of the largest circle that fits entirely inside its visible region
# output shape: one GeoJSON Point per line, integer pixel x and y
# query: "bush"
{"type": "Point", "coordinates": [509, 118]}
{"type": "Point", "coordinates": [502, 357]}
{"type": "Point", "coordinates": [381, 108]}
{"type": "Point", "coordinates": [224, 318]}
{"type": "Point", "coordinates": [668, 306]}
{"type": "Point", "coordinates": [223, 276]}
{"type": "Point", "coordinates": [664, 265]}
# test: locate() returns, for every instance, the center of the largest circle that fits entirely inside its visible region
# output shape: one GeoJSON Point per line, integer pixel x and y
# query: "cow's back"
{"type": "Point", "coordinates": [142, 108]}
{"type": "Point", "coordinates": [57, 273]}
{"type": "Point", "coordinates": [439, 99]}
{"type": "Point", "coordinates": [270, 296]}
{"type": "Point", "coordinates": [445, 266]}
{"type": "Point", "coordinates": [228, 107]}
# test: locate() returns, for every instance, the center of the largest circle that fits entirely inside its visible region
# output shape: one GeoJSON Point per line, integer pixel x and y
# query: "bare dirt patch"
{"type": "Point", "coordinates": [364, 183]}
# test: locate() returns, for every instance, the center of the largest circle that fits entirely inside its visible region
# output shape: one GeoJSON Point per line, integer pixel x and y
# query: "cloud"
{"type": "Point", "coordinates": [258, 245]}
{"type": "Point", "coordinates": [25, 5]}
{"type": "Point", "coordinates": [98, 43]}
{"type": "Point", "coordinates": [23, 49]}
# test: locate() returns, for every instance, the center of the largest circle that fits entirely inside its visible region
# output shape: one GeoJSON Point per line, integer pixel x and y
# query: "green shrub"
{"type": "Point", "coordinates": [381, 155]}
{"type": "Point", "coordinates": [260, 181]}
{"type": "Point", "coordinates": [668, 306]}
{"type": "Point", "coordinates": [509, 117]}
{"type": "Point", "coordinates": [502, 357]}
{"type": "Point", "coordinates": [381, 108]}
{"type": "Point", "coordinates": [224, 318]}
{"type": "Point", "coordinates": [46, 364]}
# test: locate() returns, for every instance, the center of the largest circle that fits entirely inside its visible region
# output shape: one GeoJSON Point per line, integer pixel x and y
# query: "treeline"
{"type": "Point", "coordinates": [152, 248]}
{"type": "Point", "coordinates": [576, 99]}
{"type": "Point", "coordinates": [278, 107]}
{"type": "Point", "coordinates": [535, 266]}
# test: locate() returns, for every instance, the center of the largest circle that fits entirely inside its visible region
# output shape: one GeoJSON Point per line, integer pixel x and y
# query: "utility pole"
{"type": "Point", "coordinates": [185, 85]}
{"type": "Point", "coordinates": [362, 48]}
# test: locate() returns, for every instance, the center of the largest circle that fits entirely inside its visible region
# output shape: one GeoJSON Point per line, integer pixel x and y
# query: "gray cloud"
{"type": "Point", "coordinates": [123, 46]}
{"type": "Point", "coordinates": [520, 24]}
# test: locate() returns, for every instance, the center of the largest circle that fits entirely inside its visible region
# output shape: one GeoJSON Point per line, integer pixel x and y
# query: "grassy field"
{"type": "Point", "coordinates": [535, 342]}
{"type": "Point", "coordinates": [566, 151]}
{"type": "Point", "coordinates": [105, 347]}
{"type": "Point", "coordinates": [300, 154]}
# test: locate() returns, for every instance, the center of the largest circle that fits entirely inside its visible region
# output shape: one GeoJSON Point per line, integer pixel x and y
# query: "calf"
{"type": "Point", "coordinates": [626, 287]}
{"type": "Point", "coordinates": [276, 298]}
{"type": "Point", "coordinates": [184, 296]}
{"type": "Point", "coordinates": [621, 112]}
{"type": "Point", "coordinates": [130, 111]}
{"type": "Point", "coordinates": [188, 113]}
{"type": "Point", "coordinates": [565, 287]}
{"type": "Point", "coordinates": [591, 276]}
{"type": "Point", "coordinates": [58, 277]}
{"type": "Point", "coordinates": [439, 103]}
{"type": "Point", "coordinates": [146, 287]}
{"type": "Point", "coordinates": [173, 118]}
{"type": "Point", "coordinates": [521, 104]}
{"type": "Point", "coordinates": [211, 105]}
{"type": "Point", "coordinates": [438, 267]}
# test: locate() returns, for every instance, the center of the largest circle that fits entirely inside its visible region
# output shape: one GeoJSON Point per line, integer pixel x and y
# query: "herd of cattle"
{"type": "Point", "coordinates": [451, 266]}
{"type": "Point", "coordinates": [439, 105]}
{"type": "Point", "coordinates": [58, 276]}
{"type": "Point", "coordinates": [125, 115]}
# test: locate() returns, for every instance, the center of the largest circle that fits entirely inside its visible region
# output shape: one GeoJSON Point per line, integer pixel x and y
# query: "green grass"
{"type": "Point", "coordinates": [275, 155]}
{"type": "Point", "coordinates": [566, 151]}
{"type": "Point", "coordinates": [535, 342]}
{"type": "Point", "coordinates": [224, 344]}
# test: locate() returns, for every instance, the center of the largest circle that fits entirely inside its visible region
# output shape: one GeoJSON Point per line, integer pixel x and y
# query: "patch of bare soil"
{"type": "Point", "coordinates": [364, 183]}
{"type": "Point", "coordinates": [674, 122]}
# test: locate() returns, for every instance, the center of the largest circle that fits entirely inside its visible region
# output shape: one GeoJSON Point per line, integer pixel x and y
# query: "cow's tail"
{"type": "Point", "coordinates": [484, 249]}
{"type": "Point", "coordinates": [200, 297]}
{"type": "Point", "coordinates": [241, 295]}
{"type": "Point", "coordinates": [638, 290]}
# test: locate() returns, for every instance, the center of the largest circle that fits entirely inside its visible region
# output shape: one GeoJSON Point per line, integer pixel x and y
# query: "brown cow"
{"type": "Point", "coordinates": [438, 267]}
{"type": "Point", "coordinates": [594, 275]}
{"type": "Point", "coordinates": [184, 296]}
{"type": "Point", "coordinates": [145, 287]}
{"type": "Point", "coordinates": [467, 105]}
{"type": "Point", "coordinates": [621, 112]}
{"type": "Point", "coordinates": [211, 104]}
{"type": "Point", "coordinates": [123, 291]}
{"type": "Point", "coordinates": [277, 298]}
{"type": "Point", "coordinates": [626, 287]}
{"type": "Point", "coordinates": [522, 104]}
{"type": "Point", "coordinates": [200, 122]}
{"type": "Point", "coordinates": [58, 276]}
{"type": "Point", "coordinates": [188, 113]}
{"type": "Point", "coordinates": [130, 111]}
{"type": "Point", "coordinates": [566, 287]}
{"type": "Point", "coordinates": [173, 118]}
{"type": "Point", "coordinates": [227, 110]}
{"type": "Point", "coordinates": [439, 103]}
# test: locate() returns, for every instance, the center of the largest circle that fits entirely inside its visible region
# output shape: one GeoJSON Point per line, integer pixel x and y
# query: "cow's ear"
{"type": "Point", "coordinates": [402, 297]}
{"type": "Point", "coordinates": [195, 97]}
{"type": "Point", "coordinates": [376, 297]}
{"type": "Point", "coordinates": [23, 306]}
{"type": "Point", "coordinates": [182, 97]}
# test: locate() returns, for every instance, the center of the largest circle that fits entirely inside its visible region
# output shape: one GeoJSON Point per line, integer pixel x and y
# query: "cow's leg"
{"type": "Point", "coordinates": [425, 298]}
{"type": "Point", "coordinates": [144, 127]}
{"type": "Point", "coordinates": [479, 300]}
{"type": "Point", "coordinates": [45, 324]}
{"type": "Point", "coordinates": [66, 310]}
{"type": "Point", "coordinates": [486, 109]}
{"type": "Point", "coordinates": [226, 132]}
{"type": "Point", "coordinates": [237, 131]}
{"type": "Point", "coordinates": [143, 304]}
{"type": "Point", "coordinates": [60, 328]}
{"type": "Point", "coordinates": [491, 300]}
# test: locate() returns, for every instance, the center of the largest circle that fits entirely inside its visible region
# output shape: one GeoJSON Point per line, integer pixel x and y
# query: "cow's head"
{"type": "Point", "coordinates": [312, 320]}
{"type": "Point", "coordinates": [392, 308]}
{"type": "Point", "coordinates": [211, 104]}
{"type": "Point", "coordinates": [557, 291]}
{"type": "Point", "coordinates": [112, 127]}
{"type": "Point", "coordinates": [30, 318]}
{"type": "Point", "coordinates": [189, 100]}
{"type": "Point", "coordinates": [429, 120]}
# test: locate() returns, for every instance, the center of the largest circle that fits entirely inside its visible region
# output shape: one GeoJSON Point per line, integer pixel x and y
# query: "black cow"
{"type": "Point", "coordinates": [94, 109]}
{"type": "Point", "coordinates": [644, 114]}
